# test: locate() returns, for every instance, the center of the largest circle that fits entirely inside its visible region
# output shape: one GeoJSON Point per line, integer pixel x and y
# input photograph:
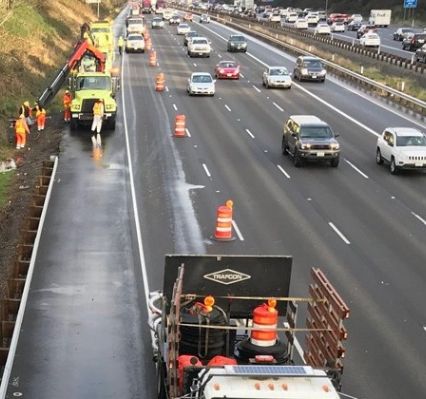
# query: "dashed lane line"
{"type": "Point", "coordinates": [355, 168]}
{"type": "Point", "coordinates": [227, 107]}
{"type": "Point", "coordinates": [257, 89]}
{"type": "Point", "coordinates": [206, 170]}
{"type": "Point", "coordinates": [175, 107]}
{"type": "Point", "coordinates": [188, 133]}
{"type": "Point", "coordinates": [278, 107]}
{"type": "Point", "coordinates": [250, 133]}
{"type": "Point", "coordinates": [339, 233]}
{"type": "Point", "coordinates": [237, 230]}
{"type": "Point", "coordinates": [283, 171]}
{"type": "Point", "coordinates": [418, 217]}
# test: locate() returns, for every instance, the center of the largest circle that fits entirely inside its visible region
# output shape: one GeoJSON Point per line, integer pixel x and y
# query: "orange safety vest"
{"type": "Point", "coordinates": [98, 109]}
{"type": "Point", "coordinates": [67, 99]}
{"type": "Point", "coordinates": [20, 126]}
{"type": "Point", "coordinates": [40, 112]}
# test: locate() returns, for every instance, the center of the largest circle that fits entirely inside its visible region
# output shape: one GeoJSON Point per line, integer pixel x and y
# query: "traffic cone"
{"type": "Point", "coordinates": [160, 82]}
{"type": "Point", "coordinates": [153, 58]}
{"type": "Point", "coordinates": [148, 44]}
{"type": "Point", "coordinates": [223, 230]}
{"type": "Point", "coordinates": [180, 126]}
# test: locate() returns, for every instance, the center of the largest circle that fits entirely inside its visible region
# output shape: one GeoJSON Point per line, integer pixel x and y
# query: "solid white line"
{"type": "Point", "coordinates": [206, 170]}
{"type": "Point", "coordinates": [133, 194]}
{"type": "Point", "coordinates": [283, 171]}
{"type": "Point", "coordinates": [354, 167]}
{"type": "Point", "coordinates": [229, 109]}
{"type": "Point", "coordinates": [419, 218]}
{"type": "Point", "coordinates": [174, 106]}
{"type": "Point", "coordinates": [337, 231]}
{"type": "Point", "coordinates": [242, 76]}
{"type": "Point", "coordinates": [20, 316]}
{"type": "Point", "coordinates": [277, 106]}
{"type": "Point", "coordinates": [250, 133]}
{"type": "Point", "coordinates": [188, 133]}
{"type": "Point", "coordinates": [237, 230]}
{"type": "Point", "coordinates": [257, 89]}
{"type": "Point", "coordinates": [167, 89]}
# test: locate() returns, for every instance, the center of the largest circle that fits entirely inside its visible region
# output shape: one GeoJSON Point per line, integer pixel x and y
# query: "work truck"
{"type": "Point", "coordinates": [224, 326]}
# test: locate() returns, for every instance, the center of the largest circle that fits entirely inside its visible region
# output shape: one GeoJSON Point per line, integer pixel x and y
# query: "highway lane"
{"type": "Point", "coordinates": [275, 214]}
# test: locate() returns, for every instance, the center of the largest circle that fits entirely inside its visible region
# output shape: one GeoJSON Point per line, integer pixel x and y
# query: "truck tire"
{"type": "Point", "coordinates": [161, 383]}
{"type": "Point", "coordinates": [111, 123]}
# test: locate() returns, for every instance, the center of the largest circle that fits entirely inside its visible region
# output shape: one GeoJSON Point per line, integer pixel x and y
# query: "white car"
{"type": "Point", "coordinates": [313, 18]}
{"type": "Point", "coordinates": [338, 27]}
{"type": "Point", "coordinates": [276, 76]}
{"type": "Point", "coordinates": [291, 18]}
{"type": "Point", "coordinates": [275, 17]}
{"type": "Point", "coordinates": [201, 83]}
{"type": "Point", "coordinates": [301, 23]}
{"type": "Point", "coordinates": [356, 18]}
{"type": "Point", "coordinates": [322, 29]}
{"type": "Point", "coordinates": [183, 29]}
{"type": "Point", "coordinates": [402, 148]}
{"type": "Point", "coordinates": [199, 46]}
{"type": "Point", "coordinates": [370, 39]}
{"type": "Point", "coordinates": [135, 43]}
{"type": "Point", "coordinates": [204, 19]}
{"type": "Point", "coordinates": [157, 22]}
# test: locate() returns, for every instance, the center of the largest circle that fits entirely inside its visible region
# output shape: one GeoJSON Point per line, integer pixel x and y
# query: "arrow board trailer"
{"type": "Point", "coordinates": [225, 326]}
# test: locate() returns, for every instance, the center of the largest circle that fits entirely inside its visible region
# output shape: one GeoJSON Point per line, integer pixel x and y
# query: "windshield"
{"type": "Point", "coordinates": [98, 30]}
{"type": "Point", "coordinates": [405, 141]}
{"type": "Point", "coordinates": [135, 22]}
{"type": "Point", "coordinates": [238, 38]}
{"type": "Point", "coordinates": [278, 72]}
{"type": "Point", "coordinates": [135, 38]}
{"type": "Point", "coordinates": [199, 41]}
{"type": "Point", "coordinates": [316, 132]}
{"type": "Point", "coordinates": [94, 83]}
{"type": "Point", "coordinates": [312, 64]}
{"type": "Point", "coordinates": [202, 79]}
{"type": "Point", "coordinates": [227, 65]}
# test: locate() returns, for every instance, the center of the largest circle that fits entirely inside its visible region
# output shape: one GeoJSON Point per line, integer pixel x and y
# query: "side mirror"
{"type": "Point", "coordinates": [337, 135]}
{"type": "Point", "coordinates": [214, 81]}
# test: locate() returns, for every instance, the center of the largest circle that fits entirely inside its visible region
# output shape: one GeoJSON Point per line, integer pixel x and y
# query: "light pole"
{"type": "Point", "coordinates": [98, 7]}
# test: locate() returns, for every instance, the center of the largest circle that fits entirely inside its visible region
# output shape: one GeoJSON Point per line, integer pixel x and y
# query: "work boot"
{"type": "Point", "coordinates": [98, 139]}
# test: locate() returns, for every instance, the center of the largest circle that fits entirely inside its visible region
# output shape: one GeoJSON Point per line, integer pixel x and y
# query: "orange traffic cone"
{"type": "Point", "coordinates": [160, 81]}
{"type": "Point", "coordinates": [153, 58]}
{"type": "Point", "coordinates": [148, 43]}
{"type": "Point", "coordinates": [224, 222]}
{"type": "Point", "coordinates": [180, 126]}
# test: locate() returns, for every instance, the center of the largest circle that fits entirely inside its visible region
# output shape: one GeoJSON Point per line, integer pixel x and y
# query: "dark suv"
{"type": "Point", "coordinates": [309, 68]}
{"type": "Point", "coordinates": [412, 43]}
{"type": "Point", "coordinates": [237, 43]}
{"type": "Point", "coordinates": [306, 137]}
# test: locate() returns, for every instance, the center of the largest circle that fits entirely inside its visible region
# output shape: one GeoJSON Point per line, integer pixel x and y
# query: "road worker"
{"type": "Point", "coordinates": [67, 106]}
{"type": "Point", "coordinates": [26, 110]}
{"type": "Point", "coordinates": [21, 131]}
{"type": "Point", "coordinates": [40, 117]}
{"type": "Point", "coordinates": [98, 115]}
{"type": "Point", "coordinates": [120, 44]}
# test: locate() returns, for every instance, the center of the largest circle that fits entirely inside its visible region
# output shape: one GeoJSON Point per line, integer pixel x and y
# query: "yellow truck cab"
{"type": "Point", "coordinates": [103, 36]}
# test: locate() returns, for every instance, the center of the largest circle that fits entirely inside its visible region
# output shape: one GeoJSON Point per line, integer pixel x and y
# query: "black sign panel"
{"type": "Point", "coordinates": [231, 275]}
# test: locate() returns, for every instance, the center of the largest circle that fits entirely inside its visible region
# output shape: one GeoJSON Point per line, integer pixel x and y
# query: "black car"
{"type": "Point", "coordinates": [191, 33]}
{"type": "Point", "coordinates": [237, 43]}
{"type": "Point", "coordinates": [364, 29]}
{"type": "Point", "coordinates": [354, 25]}
{"type": "Point", "coordinates": [421, 54]}
{"type": "Point", "coordinates": [309, 68]}
{"type": "Point", "coordinates": [401, 33]}
{"type": "Point", "coordinates": [413, 42]}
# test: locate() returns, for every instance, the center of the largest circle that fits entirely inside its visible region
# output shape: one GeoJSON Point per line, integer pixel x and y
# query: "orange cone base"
{"type": "Point", "coordinates": [223, 239]}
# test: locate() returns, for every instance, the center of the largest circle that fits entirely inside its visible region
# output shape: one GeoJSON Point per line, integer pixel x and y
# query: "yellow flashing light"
{"type": "Point", "coordinates": [272, 303]}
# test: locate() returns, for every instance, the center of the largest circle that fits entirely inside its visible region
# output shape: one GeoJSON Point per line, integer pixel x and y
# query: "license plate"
{"type": "Point", "coordinates": [229, 74]}
{"type": "Point", "coordinates": [314, 76]}
{"type": "Point", "coordinates": [419, 164]}
{"type": "Point", "coordinates": [320, 154]}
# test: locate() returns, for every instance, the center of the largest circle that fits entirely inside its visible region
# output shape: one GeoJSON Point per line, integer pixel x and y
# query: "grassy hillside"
{"type": "Point", "coordinates": [358, 6]}
{"type": "Point", "coordinates": [37, 37]}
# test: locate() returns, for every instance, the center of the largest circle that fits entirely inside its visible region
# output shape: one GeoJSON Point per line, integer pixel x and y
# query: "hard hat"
{"type": "Point", "coordinates": [67, 91]}
{"type": "Point", "coordinates": [26, 103]}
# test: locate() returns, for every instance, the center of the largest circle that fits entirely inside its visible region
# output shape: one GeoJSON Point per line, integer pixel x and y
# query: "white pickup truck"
{"type": "Point", "coordinates": [199, 47]}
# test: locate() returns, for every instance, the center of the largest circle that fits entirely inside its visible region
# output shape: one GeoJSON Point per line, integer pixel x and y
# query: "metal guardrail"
{"type": "Point", "coordinates": [281, 40]}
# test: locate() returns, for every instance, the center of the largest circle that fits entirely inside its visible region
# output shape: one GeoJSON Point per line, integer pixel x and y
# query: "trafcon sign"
{"type": "Point", "coordinates": [227, 276]}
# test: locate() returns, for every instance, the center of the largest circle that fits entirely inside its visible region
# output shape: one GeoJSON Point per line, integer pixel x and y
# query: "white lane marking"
{"type": "Point", "coordinates": [355, 168]}
{"type": "Point", "coordinates": [188, 133]}
{"type": "Point", "coordinates": [283, 171]}
{"type": "Point", "coordinates": [250, 133]}
{"type": "Point", "coordinates": [237, 230]}
{"type": "Point", "coordinates": [424, 328]}
{"type": "Point", "coordinates": [133, 195]}
{"type": "Point", "coordinates": [419, 218]}
{"type": "Point", "coordinates": [195, 65]}
{"type": "Point", "coordinates": [219, 56]}
{"type": "Point", "coordinates": [256, 88]}
{"type": "Point", "coordinates": [166, 88]}
{"type": "Point", "coordinates": [229, 109]}
{"type": "Point", "coordinates": [20, 316]}
{"type": "Point", "coordinates": [174, 106]}
{"type": "Point", "coordinates": [206, 170]}
{"type": "Point", "coordinates": [241, 75]}
{"type": "Point", "coordinates": [278, 107]}
{"type": "Point", "coordinates": [339, 233]}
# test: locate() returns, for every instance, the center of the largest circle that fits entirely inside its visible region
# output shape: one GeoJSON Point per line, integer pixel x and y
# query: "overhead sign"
{"type": "Point", "coordinates": [410, 3]}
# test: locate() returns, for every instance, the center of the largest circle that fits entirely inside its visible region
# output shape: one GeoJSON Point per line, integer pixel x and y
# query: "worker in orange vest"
{"type": "Point", "coordinates": [21, 131]}
{"type": "Point", "coordinates": [27, 111]}
{"type": "Point", "coordinates": [98, 116]}
{"type": "Point", "coordinates": [67, 106]}
{"type": "Point", "coordinates": [40, 117]}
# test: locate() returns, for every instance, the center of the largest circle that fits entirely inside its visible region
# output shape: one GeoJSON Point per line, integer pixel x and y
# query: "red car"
{"type": "Point", "coordinates": [227, 70]}
{"type": "Point", "coordinates": [188, 17]}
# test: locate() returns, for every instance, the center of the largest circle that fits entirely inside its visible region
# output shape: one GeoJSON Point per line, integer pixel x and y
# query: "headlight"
{"type": "Point", "coordinates": [335, 146]}
{"type": "Point", "coordinates": [221, 71]}
{"type": "Point", "coordinates": [304, 71]}
{"type": "Point", "coordinates": [76, 107]}
{"type": "Point", "coordinates": [306, 146]}
{"type": "Point", "coordinates": [109, 107]}
{"type": "Point", "coordinates": [323, 72]}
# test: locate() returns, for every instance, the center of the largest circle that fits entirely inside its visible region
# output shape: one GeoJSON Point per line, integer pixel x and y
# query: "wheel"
{"type": "Point", "coordinates": [284, 147]}
{"type": "Point", "coordinates": [297, 160]}
{"type": "Point", "coordinates": [334, 162]}
{"type": "Point", "coordinates": [189, 54]}
{"type": "Point", "coordinates": [111, 124]}
{"type": "Point", "coordinates": [161, 384]}
{"type": "Point", "coordinates": [392, 167]}
{"type": "Point", "coordinates": [379, 159]}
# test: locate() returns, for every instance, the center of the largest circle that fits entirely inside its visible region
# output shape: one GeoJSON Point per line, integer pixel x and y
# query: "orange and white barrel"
{"type": "Point", "coordinates": [153, 58]}
{"type": "Point", "coordinates": [180, 126]}
{"type": "Point", "coordinates": [224, 222]}
{"type": "Point", "coordinates": [266, 318]}
{"type": "Point", "coordinates": [160, 82]}
{"type": "Point", "coordinates": [148, 44]}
